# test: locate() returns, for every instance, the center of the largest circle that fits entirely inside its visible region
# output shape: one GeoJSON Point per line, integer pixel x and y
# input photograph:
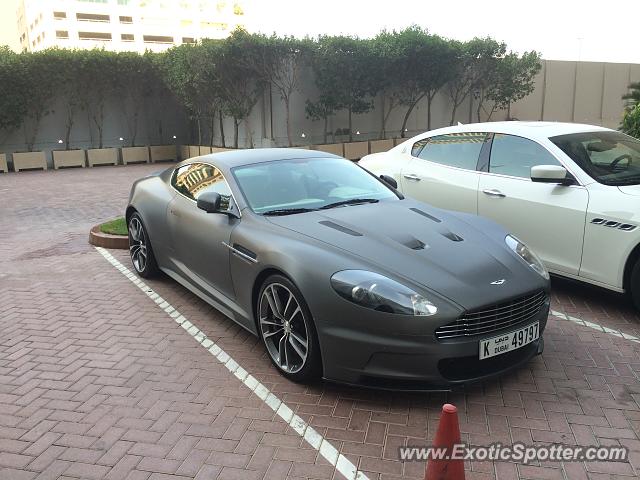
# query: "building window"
{"type": "Point", "coordinates": [126, 37]}
{"type": "Point", "coordinates": [126, 19]}
{"type": "Point", "coordinates": [157, 39]}
{"type": "Point", "coordinates": [124, 2]}
{"type": "Point", "coordinates": [94, 36]}
{"type": "Point", "coordinates": [59, 15]}
{"type": "Point", "coordinates": [92, 17]}
{"type": "Point", "coordinates": [188, 40]}
{"type": "Point", "coordinates": [62, 34]}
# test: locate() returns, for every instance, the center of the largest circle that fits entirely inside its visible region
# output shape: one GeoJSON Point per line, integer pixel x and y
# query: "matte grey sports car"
{"type": "Point", "coordinates": [338, 273]}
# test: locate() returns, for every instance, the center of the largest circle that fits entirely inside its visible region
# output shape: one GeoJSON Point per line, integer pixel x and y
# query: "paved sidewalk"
{"type": "Point", "coordinates": [96, 381]}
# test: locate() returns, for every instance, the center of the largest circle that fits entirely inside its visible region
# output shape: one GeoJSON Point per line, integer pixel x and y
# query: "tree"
{"type": "Point", "coordinates": [67, 74]}
{"type": "Point", "coordinates": [633, 96]}
{"type": "Point", "coordinates": [342, 67]}
{"type": "Point", "coordinates": [277, 61]}
{"type": "Point", "coordinates": [239, 85]}
{"type": "Point", "coordinates": [631, 121]}
{"type": "Point", "coordinates": [512, 79]}
{"type": "Point", "coordinates": [13, 91]}
{"type": "Point", "coordinates": [321, 109]}
{"type": "Point", "coordinates": [40, 79]}
{"type": "Point", "coordinates": [421, 65]}
{"type": "Point", "coordinates": [472, 68]}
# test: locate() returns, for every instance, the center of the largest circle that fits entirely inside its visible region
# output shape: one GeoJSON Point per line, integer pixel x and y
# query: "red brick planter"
{"type": "Point", "coordinates": [106, 240]}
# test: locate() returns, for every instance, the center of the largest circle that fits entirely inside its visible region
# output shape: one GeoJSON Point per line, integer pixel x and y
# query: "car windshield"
{"type": "Point", "coordinates": [300, 185]}
{"type": "Point", "coordinates": [611, 158]}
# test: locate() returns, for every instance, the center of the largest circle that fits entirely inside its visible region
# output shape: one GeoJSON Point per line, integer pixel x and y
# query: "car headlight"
{"type": "Point", "coordinates": [527, 255]}
{"type": "Point", "coordinates": [375, 291]}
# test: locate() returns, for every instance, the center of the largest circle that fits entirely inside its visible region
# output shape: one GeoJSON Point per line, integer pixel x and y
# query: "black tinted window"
{"type": "Point", "coordinates": [454, 149]}
{"type": "Point", "coordinates": [194, 179]}
{"type": "Point", "coordinates": [514, 156]}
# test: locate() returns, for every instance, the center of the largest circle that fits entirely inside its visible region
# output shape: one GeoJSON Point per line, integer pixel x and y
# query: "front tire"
{"type": "Point", "coordinates": [140, 250]}
{"type": "Point", "coordinates": [287, 330]}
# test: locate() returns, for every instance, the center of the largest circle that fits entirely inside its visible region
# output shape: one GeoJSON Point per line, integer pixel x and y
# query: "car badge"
{"type": "Point", "coordinates": [498, 282]}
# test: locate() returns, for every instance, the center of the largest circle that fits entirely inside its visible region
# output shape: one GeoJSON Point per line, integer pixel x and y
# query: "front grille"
{"type": "Point", "coordinates": [494, 318]}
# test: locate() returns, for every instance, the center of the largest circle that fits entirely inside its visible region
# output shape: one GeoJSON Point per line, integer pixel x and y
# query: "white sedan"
{"type": "Point", "coordinates": [571, 192]}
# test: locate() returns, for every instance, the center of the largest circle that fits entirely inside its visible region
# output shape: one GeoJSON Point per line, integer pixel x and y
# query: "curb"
{"type": "Point", "coordinates": [106, 240]}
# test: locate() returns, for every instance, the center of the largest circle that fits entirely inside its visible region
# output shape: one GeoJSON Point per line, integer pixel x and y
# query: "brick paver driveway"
{"type": "Point", "coordinates": [96, 381]}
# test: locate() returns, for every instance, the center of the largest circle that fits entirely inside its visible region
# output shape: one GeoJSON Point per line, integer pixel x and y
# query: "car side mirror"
{"type": "Point", "coordinates": [551, 174]}
{"type": "Point", "coordinates": [389, 181]}
{"type": "Point", "coordinates": [209, 202]}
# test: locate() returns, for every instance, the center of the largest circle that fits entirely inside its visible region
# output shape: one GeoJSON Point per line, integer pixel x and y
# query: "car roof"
{"type": "Point", "coordinates": [235, 158]}
{"type": "Point", "coordinates": [535, 130]}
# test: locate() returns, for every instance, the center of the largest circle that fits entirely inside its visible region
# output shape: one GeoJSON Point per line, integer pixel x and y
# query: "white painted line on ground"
{"type": "Point", "coordinates": [595, 326]}
{"type": "Point", "coordinates": [310, 435]}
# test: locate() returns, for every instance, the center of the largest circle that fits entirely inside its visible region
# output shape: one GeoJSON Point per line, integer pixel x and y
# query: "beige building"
{"type": "Point", "coordinates": [124, 25]}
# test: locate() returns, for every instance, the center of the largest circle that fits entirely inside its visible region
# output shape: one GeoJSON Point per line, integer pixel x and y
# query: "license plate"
{"type": "Point", "coordinates": [509, 341]}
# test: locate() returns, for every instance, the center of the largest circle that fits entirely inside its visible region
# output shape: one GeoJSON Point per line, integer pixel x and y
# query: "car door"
{"type": "Point", "coordinates": [199, 237]}
{"type": "Point", "coordinates": [550, 218]}
{"type": "Point", "coordinates": [442, 171]}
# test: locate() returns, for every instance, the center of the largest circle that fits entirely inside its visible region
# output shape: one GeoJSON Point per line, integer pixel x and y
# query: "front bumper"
{"type": "Point", "coordinates": [418, 362]}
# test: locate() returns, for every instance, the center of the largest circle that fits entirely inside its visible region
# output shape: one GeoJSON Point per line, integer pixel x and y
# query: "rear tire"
{"type": "Point", "coordinates": [142, 258]}
{"type": "Point", "coordinates": [287, 330]}
{"type": "Point", "coordinates": [634, 285]}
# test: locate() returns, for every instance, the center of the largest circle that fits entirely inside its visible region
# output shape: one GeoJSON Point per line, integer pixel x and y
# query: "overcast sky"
{"type": "Point", "coordinates": [593, 30]}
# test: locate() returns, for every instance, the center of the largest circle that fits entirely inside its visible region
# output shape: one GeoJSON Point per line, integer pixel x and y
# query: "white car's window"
{"type": "Point", "coordinates": [459, 150]}
{"type": "Point", "coordinates": [611, 158]}
{"type": "Point", "coordinates": [194, 179]}
{"type": "Point", "coordinates": [514, 156]}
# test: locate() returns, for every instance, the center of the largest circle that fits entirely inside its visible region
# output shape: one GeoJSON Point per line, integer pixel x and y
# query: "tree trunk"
{"type": "Point", "coordinates": [134, 129]}
{"type": "Point", "coordinates": [247, 126]}
{"type": "Point", "coordinates": [406, 118]}
{"type": "Point", "coordinates": [235, 132]}
{"type": "Point", "coordinates": [383, 132]}
{"type": "Point", "coordinates": [350, 130]}
{"type": "Point", "coordinates": [326, 125]}
{"type": "Point", "coordinates": [288, 120]}
{"type": "Point", "coordinates": [212, 125]}
{"type": "Point", "coordinates": [68, 127]}
{"type": "Point", "coordinates": [429, 100]}
{"type": "Point", "coordinates": [199, 130]}
{"type": "Point", "coordinates": [453, 111]}
{"type": "Point", "coordinates": [221, 129]}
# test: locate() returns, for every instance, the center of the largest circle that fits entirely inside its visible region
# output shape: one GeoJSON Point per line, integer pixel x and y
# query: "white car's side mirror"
{"type": "Point", "coordinates": [550, 174]}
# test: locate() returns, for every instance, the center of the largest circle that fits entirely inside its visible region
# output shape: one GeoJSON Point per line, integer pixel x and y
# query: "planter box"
{"type": "Point", "coordinates": [220, 149]}
{"type": "Point", "coordinates": [135, 155]}
{"type": "Point", "coordinates": [398, 141]}
{"type": "Point", "coordinates": [377, 146]}
{"type": "Point", "coordinates": [335, 148]}
{"type": "Point", "coordinates": [301, 147]}
{"type": "Point", "coordinates": [163, 153]}
{"type": "Point", "coordinates": [102, 156]}
{"type": "Point", "coordinates": [194, 151]}
{"type": "Point", "coordinates": [68, 158]}
{"type": "Point", "coordinates": [205, 150]}
{"type": "Point", "coordinates": [25, 160]}
{"type": "Point", "coordinates": [184, 152]}
{"type": "Point", "coordinates": [3, 163]}
{"type": "Point", "coordinates": [356, 150]}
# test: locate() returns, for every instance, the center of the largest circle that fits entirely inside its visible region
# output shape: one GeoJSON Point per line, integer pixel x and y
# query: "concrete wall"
{"type": "Point", "coordinates": [584, 92]}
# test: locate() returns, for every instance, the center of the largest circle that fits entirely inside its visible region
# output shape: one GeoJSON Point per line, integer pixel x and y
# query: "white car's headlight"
{"type": "Point", "coordinates": [375, 291]}
{"type": "Point", "coordinates": [527, 255]}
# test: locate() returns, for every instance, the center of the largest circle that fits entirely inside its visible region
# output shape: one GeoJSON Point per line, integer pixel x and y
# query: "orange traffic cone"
{"type": "Point", "coordinates": [447, 436]}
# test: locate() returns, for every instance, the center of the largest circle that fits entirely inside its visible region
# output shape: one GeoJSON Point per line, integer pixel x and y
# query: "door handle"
{"type": "Point", "coordinates": [411, 176]}
{"type": "Point", "coordinates": [494, 193]}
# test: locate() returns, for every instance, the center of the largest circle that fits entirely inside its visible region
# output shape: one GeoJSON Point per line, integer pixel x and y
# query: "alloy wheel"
{"type": "Point", "coordinates": [284, 328]}
{"type": "Point", "coordinates": [137, 244]}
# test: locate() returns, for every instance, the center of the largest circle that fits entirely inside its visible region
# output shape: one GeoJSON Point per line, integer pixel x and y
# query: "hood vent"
{"type": "Point", "coordinates": [452, 236]}
{"type": "Point", "coordinates": [425, 214]}
{"type": "Point", "coordinates": [410, 241]}
{"type": "Point", "coordinates": [340, 228]}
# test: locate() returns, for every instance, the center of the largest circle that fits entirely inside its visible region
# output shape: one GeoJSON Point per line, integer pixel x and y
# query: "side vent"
{"type": "Point", "coordinates": [425, 214]}
{"type": "Point", "coordinates": [340, 228]}
{"type": "Point", "coordinates": [625, 227]}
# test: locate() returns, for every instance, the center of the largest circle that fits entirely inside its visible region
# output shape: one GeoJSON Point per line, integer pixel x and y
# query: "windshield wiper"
{"type": "Point", "coordinates": [351, 201]}
{"type": "Point", "coordinates": [287, 211]}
